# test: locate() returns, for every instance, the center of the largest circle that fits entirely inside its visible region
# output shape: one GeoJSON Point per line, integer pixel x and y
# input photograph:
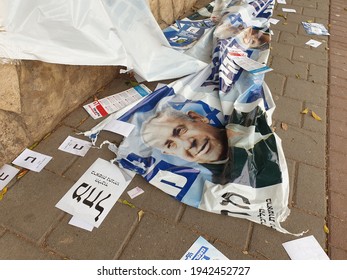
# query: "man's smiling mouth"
{"type": "Point", "coordinates": [204, 148]}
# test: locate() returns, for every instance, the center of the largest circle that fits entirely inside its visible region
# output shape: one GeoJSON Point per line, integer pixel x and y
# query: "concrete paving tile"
{"type": "Point", "coordinates": [337, 253]}
{"type": "Point", "coordinates": [305, 3]}
{"type": "Point", "coordinates": [337, 102]}
{"type": "Point", "coordinates": [268, 242]}
{"type": "Point", "coordinates": [298, 18]}
{"type": "Point", "coordinates": [337, 161]}
{"type": "Point", "coordinates": [337, 182]}
{"type": "Point", "coordinates": [338, 114]}
{"type": "Point", "coordinates": [323, 6]}
{"type": "Point", "coordinates": [315, 13]}
{"type": "Point", "coordinates": [339, 72]}
{"type": "Point", "coordinates": [291, 113]}
{"type": "Point", "coordinates": [100, 244]}
{"type": "Point", "coordinates": [306, 91]}
{"type": "Point", "coordinates": [291, 164]}
{"type": "Point", "coordinates": [337, 144]}
{"type": "Point", "coordinates": [310, 190]}
{"type": "Point", "coordinates": [61, 160]}
{"type": "Point", "coordinates": [306, 55]}
{"type": "Point", "coordinates": [275, 36]}
{"type": "Point", "coordinates": [337, 203]}
{"type": "Point", "coordinates": [303, 146]}
{"type": "Point", "coordinates": [337, 49]}
{"type": "Point", "coordinates": [286, 26]}
{"type": "Point", "coordinates": [338, 128]}
{"type": "Point", "coordinates": [275, 82]}
{"type": "Point", "coordinates": [29, 207]}
{"type": "Point", "coordinates": [283, 50]}
{"type": "Point", "coordinates": [232, 253]}
{"type": "Point", "coordinates": [339, 228]}
{"type": "Point", "coordinates": [230, 230]}
{"type": "Point", "coordinates": [290, 68]}
{"type": "Point", "coordinates": [13, 247]}
{"type": "Point", "coordinates": [2, 231]}
{"type": "Point", "coordinates": [311, 123]}
{"type": "Point", "coordinates": [338, 62]}
{"type": "Point", "coordinates": [318, 74]}
{"type": "Point", "coordinates": [156, 239]}
{"type": "Point", "coordinates": [78, 116]}
{"type": "Point", "coordinates": [338, 91]}
{"type": "Point", "coordinates": [297, 40]}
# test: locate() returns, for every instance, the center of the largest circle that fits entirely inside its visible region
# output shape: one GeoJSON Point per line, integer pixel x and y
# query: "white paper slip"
{"type": "Point", "coordinates": [75, 146]}
{"type": "Point", "coordinates": [91, 198]}
{"type": "Point", "coordinates": [281, 2]}
{"type": "Point", "coordinates": [7, 173]}
{"type": "Point", "coordinates": [32, 160]}
{"type": "Point", "coordinates": [203, 250]}
{"type": "Point", "coordinates": [115, 102]}
{"type": "Point", "coordinates": [81, 224]}
{"type": "Point", "coordinates": [273, 20]}
{"type": "Point", "coordinates": [250, 65]}
{"type": "Point", "coordinates": [122, 128]}
{"type": "Point", "coordinates": [306, 248]}
{"type": "Point", "coordinates": [288, 10]}
{"type": "Point", "coordinates": [313, 43]}
{"type": "Point", "coordinates": [135, 192]}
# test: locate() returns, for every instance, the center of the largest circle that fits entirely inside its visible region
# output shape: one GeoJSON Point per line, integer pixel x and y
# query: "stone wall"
{"type": "Point", "coordinates": [35, 96]}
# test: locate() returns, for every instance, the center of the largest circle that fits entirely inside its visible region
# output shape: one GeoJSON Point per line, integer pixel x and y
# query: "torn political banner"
{"type": "Point", "coordinates": [206, 139]}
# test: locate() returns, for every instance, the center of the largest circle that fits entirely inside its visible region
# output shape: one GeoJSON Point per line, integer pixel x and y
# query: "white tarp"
{"type": "Point", "coordinates": [91, 32]}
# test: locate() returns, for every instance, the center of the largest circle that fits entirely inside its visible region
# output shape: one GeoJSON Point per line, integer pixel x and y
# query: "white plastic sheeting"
{"type": "Point", "coordinates": [91, 32]}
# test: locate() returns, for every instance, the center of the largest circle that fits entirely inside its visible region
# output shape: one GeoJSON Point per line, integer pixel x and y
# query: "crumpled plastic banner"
{"type": "Point", "coordinates": [91, 32]}
{"type": "Point", "coordinates": [206, 139]}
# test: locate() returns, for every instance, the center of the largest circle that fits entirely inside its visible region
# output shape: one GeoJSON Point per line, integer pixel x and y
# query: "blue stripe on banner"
{"type": "Point", "coordinates": [259, 70]}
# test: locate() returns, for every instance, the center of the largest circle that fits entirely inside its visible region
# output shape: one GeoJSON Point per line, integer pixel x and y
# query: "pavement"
{"type": "Point", "coordinates": [31, 227]}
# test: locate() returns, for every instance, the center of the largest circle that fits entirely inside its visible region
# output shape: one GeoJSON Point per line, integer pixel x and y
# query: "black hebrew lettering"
{"type": "Point", "coordinates": [80, 148]}
{"type": "Point", "coordinates": [3, 179]}
{"type": "Point", "coordinates": [33, 159]}
{"type": "Point", "coordinates": [78, 196]}
{"type": "Point", "coordinates": [225, 212]}
{"type": "Point", "coordinates": [227, 199]}
{"type": "Point", "coordinates": [100, 208]}
{"type": "Point", "coordinates": [91, 203]}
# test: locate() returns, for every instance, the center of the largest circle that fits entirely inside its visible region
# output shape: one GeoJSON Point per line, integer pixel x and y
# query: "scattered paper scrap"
{"type": "Point", "coordinates": [32, 160]}
{"type": "Point", "coordinates": [281, 2]}
{"type": "Point", "coordinates": [94, 194]}
{"type": "Point", "coordinates": [313, 43]}
{"type": "Point", "coordinates": [135, 192]}
{"type": "Point", "coordinates": [250, 65]}
{"type": "Point", "coordinates": [284, 126]}
{"type": "Point", "coordinates": [75, 146]}
{"type": "Point", "coordinates": [81, 224]}
{"type": "Point", "coordinates": [306, 248]}
{"type": "Point", "coordinates": [315, 116]}
{"type": "Point", "coordinates": [315, 28]}
{"type": "Point", "coordinates": [203, 250]}
{"type": "Point", "coordinates": [286, 10]}
{"type": "Point", "coordinates": [103, 107]}
{"type": "Point", "coordinates": [273, 20]}
{"type": "Point", "coordinates": [7, 173]}
{"type": "Point", "coordinates": [122, 128]}
{"type": "Point", "coordinates": [305, 111]}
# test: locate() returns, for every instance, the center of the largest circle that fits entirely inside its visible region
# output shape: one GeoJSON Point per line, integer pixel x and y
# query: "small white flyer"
{"type": "Point", "coordinates": [273, 20]}
{"type": "Point", "coordinates": [135, 192]}
{"type": "Point", "coordinates": [75, 146]}
{"type": "Point", "coordinates": [288, 10]}
{"type": "Point", "coordinates": [313, 28]}
{"type": "Point", "coordinates": [203, 250]}
{"type": "Point", "coordinates": [313, 43]}
{"type": "Point", "coordinates": [250, 65]}
{"type": "Point", "coordinates": [122, 128]}
{"type": "Point", "coordinates": [32, 160]}
{"type": "Point", "coordinates": [7, 173]}
{"type": "Point", "coordinates": [94, 194]}
{"type": "Point", "coordinates": [306, 248]}
{"type": "Point", "coordinates": [110, 104]}
{"type": "Point", "coordinates": [281, 2]}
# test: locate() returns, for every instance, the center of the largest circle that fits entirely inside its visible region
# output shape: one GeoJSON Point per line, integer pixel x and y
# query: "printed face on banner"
{"type": "Point", "coordinates": [32, 160]}
{"type": "Point", "coordinates": [7, 172]}
{"type": "Point", "coordinates": [75, 146]}
{"type": "Point", "coordinates": [94, 194]}
{"type": "Point", "coordinates": [188, 136]}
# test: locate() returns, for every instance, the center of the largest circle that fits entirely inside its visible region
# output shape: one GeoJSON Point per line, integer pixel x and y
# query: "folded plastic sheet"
{"type": "Point", "coordinates": [91, 32]}
{"type": "Point", "coordinates": [206, 139]}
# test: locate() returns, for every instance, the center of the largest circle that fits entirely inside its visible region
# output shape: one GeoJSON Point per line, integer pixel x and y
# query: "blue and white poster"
{"type": "Point", "coordinates": [206, 139]}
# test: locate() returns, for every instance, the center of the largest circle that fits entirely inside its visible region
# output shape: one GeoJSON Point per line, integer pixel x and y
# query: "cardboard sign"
{"type": "Point", "coordinates": [75, 146]}
{"type": "Point", "coordinates": [7, 172]}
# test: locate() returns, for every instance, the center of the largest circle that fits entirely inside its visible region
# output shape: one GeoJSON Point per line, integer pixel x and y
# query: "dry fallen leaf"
{"type": "Point", "coordinates": [284, 126]}
{"type": "Point", "coordinates": [297, 76]}
{"type": "Point", "coordinates": [305, 111]}
{"type": "Point", "coordinates": [2, 193]}
{"type": "Point", "coordinates": [326, 229]}
{"type": "Point", "coordinates": [140, 214]}
{"type": "Point", "coordinates": [315, 116]}
{"type": "Point", "coordinates": [309, 21]}
{"type": "Point", "coordinates": [125, 202]}
{"type": "Point", "coordinates": [22, 173]}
